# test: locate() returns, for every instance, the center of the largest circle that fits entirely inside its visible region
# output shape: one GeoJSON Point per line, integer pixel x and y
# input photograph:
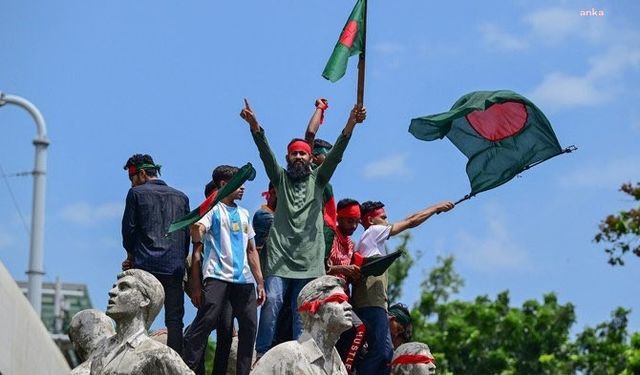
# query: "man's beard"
{"type": "Point", "coordinates": [298, 170]}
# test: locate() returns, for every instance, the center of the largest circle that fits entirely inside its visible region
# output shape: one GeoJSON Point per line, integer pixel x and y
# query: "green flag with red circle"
{"type": "Point", "coordinates": [351, 42]}
{"type": "Point", "coordinates": [501, 133]}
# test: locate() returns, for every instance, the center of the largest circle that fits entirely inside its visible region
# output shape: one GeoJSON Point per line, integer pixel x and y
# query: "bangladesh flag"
{"type": "Point", "coordinates": [501, 132]}
{"type": "Point", "coordinates": [351, 43]}
{"type": "Point", "coordinates": [244, 174]}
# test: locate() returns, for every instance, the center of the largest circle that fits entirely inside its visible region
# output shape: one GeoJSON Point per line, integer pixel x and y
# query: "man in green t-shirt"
{"type": "Point", "coordinates": [296, 240]}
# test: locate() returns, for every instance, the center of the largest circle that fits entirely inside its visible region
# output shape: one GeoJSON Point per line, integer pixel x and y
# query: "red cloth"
{"type": "Point", "coordinates": [313, 306]}
{"type": "Point", "coordinates": [299, 146]}
{"type": "Point", "coordinates": [412, 359]}
{"type": "Point", "coordinates": [341, 253]}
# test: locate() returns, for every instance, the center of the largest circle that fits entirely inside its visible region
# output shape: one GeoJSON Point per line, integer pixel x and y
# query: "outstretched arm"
{"type": "Point", "coordinates": [419, 217]}
{"type": "Point", "coordinates": [266, 155]}
{"type": "Point", "coordinates": [325, 171]}
{"type": "Point", "coordinates": [315, 120]}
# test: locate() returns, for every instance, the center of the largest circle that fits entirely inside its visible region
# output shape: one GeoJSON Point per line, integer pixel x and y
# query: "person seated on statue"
{"type": "Point", "coordinates": [325, 314]}
{"type": "Point", "coordinates": [413, 358]}
{"type": "Point", "coordinates": [87, 329]}
{"type": "Point", "coordinates": [134, 302]}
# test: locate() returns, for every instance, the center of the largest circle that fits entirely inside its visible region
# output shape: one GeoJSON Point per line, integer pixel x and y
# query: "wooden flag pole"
{"type": "Point", "coordinates": [361, 61]}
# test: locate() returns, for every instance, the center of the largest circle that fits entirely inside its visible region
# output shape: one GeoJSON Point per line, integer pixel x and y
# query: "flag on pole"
{"type": "Point", "coordinates": [351, 42]}
{"type": "Point", "coordinates": [501, 132]}
{"type": "Point", "coordinates": [244, 174]}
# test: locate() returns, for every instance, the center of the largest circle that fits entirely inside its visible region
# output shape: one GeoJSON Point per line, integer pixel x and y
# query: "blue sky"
{"type": "Point", "coordinates": [116, 78]}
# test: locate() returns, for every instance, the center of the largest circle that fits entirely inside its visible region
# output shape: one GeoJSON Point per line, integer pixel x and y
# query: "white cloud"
{"type": "Point", "coordinates": [86, 214]}
{"type": "Point", "coordinates": [499, 39]}
{"type": "Point", "coordinates": [388, 48]}
{"type": "Point", "coordinates": [559, 90]}
{"type": "Point", "coordinates": [494, 250]}
{"type": "Point", "coordinates": [554, 25]}
{"type": "Point", "coordinates": [603, 175]}
{"type": "Point", "coordinates": [394, 165]}
{"type": "Point", "coordinates": [597, 86]}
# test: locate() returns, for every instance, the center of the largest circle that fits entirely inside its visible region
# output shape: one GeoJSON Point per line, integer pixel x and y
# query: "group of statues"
{"type": "Point", "coordinates": [137, 297]}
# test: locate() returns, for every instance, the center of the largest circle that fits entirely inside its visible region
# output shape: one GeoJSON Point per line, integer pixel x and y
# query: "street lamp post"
{"type": "Point", "coordinates": [36, 269]}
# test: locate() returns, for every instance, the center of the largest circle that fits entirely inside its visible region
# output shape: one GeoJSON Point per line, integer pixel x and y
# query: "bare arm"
{"type": "Point", "coordinates": [195, 281]}
{"type": "Point", "coordinates": [254, 265]}
{"type": "Point", "coordinates": [315, 120]}
{"type": "Point", "coordinates": [419, 217]}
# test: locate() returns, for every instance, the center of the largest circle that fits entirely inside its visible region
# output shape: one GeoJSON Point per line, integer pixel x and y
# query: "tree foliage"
{"type": "Point", "coordinates": [489, 336]}
{"type": "Point", "coordinates": [399, 270]}
{"type": "Point", "coordinates": [621, 232]}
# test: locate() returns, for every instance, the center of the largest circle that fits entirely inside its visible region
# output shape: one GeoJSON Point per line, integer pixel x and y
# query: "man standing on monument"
{"type": "Point", "coordinates": [296, 241]}
{"type": "Point", "coordinates": [225, 254]}
{"type": "Point", "coordinates": [150, 208]}
{"type": "Point", "coordinates": [369, 297]}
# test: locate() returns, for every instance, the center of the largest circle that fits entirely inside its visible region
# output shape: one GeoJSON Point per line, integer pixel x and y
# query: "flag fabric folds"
{"type": "Point", "coordinates": [244, 174]}
{"type": "Point", "coordinates": [501, 132]}
{"type": "Point", "coordinates": [351, 43]}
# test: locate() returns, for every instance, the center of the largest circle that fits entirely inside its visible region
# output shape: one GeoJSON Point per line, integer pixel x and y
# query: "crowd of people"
{"type": "Point", "coordinates": [239, 263]}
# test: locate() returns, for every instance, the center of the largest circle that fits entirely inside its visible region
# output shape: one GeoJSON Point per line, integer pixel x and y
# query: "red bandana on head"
{"type": "Point", "coordinates": [349, 212]}
{"type": "Point", "coordinates": [313, 306]}
{"type": "Point", "coordinates": [371, 214]}
{"type": "Point", "coordinates": [132, 170]}
{"type": "Point", "coordinates": [299, 146]}
{"type": "Point", "coordinates": [412, 359]}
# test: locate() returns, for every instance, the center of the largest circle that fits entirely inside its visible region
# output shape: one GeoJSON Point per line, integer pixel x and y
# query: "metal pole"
{"type": "Point", "coordinates": [41, 142]}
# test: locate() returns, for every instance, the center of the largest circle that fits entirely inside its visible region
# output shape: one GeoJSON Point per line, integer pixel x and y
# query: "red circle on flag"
{"type": "Point", "coordinates": [499, 121]}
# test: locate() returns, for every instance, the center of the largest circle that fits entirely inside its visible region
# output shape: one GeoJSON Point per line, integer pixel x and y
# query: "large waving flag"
{"type": "Point", "coordinates": [351, 43]}
{"type": "Point", "coordinates": [244, 174]}
{"type": "Point", "coordinates": [501, 132]}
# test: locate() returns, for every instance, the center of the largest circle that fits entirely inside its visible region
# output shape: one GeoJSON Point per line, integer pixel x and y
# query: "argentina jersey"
{"type": "Point", "coordinates": [228, 231]}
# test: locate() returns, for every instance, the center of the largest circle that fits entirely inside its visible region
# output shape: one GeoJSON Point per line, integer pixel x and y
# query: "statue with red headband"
{"type": "Point", "coordinates": [413, 358]}
{"type": "Point", "coordinates": [325, 314]}
{"type": "Point", "coordinates": [296, 240]}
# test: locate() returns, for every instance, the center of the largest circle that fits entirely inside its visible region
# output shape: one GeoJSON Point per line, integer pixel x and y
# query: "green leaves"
{"type": "Point", "coordinates": [621, 232]}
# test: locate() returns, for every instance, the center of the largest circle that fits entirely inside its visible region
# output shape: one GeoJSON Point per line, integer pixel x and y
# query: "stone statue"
{"type": "Point", "coordinates": [134, 301]}
{"type": "Point", "coordinates": [413, 358]}
{"type": "Point", "coordinates": [325, 314]}
{"type": "Point", "coordinates": [87, 330]}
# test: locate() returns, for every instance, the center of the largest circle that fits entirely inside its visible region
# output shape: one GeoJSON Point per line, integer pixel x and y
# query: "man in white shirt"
{"type": "Point", "coordinates": [369, 297]}
{"type": "Point", "coordinates": [229, 263]}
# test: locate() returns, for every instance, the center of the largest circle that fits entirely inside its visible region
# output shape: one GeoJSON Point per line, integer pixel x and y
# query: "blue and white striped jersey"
{"type": "Point", "coordinates": [228, 231]}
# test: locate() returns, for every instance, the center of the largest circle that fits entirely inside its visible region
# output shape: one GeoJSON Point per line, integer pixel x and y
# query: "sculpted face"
{"type": "Point", "coordinates": [125, 299]}
{"type": "Point", "coordinates": [336, 314]}
{"type": "Point", "coordinates": [413, 367]}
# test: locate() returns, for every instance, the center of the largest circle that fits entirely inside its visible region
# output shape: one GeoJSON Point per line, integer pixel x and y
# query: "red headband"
{"type": "Point", "coordinates": [299, 146]}
{"type": "Point", "coordinates": [313, 306]}
{"type": "Point", "coordinates": [349, 212]}
{"type": "Point", "coordinates": [412, 359]}
{"type": "Point", "coordinates": [132, 170]}
{"type": "Point", "coordinates": [375, 213]}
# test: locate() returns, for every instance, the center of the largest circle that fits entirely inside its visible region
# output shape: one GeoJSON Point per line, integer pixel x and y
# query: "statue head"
{"type": "Point", "coordinates": [87, 329]}
{"type": "Point", "coordinates": [323, 304]}
{"type": "Point", "coordinates": [136, 292]}
{"type": "Point", "coordinates": [413, 358]}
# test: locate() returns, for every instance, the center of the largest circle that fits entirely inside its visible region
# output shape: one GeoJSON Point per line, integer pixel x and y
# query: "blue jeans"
{"type": "Point", "coordinates": [379, 339]}
{"type": "Point", "coordinates": [276, 287]}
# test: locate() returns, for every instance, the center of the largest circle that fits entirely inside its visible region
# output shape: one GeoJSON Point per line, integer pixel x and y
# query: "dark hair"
{"type": "Point", "coordinates": [223, 173]}
{"type": "Point", "coordinates": [209, 188]}
{"type": "Point", "coordinates": [140, 159]}
{"type": "Point", "coordinates": [403, 316]}
{"type": "Point", "coordinates": [322, 143]}
{"type": "Point", "coordinates": [346, 203]}
{"type": "Point", "coordinates": [369, 206]}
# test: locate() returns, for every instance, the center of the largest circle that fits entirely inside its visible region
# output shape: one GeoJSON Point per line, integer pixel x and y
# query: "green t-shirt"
{"type": "Point", "coordinates": [296, 242]}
